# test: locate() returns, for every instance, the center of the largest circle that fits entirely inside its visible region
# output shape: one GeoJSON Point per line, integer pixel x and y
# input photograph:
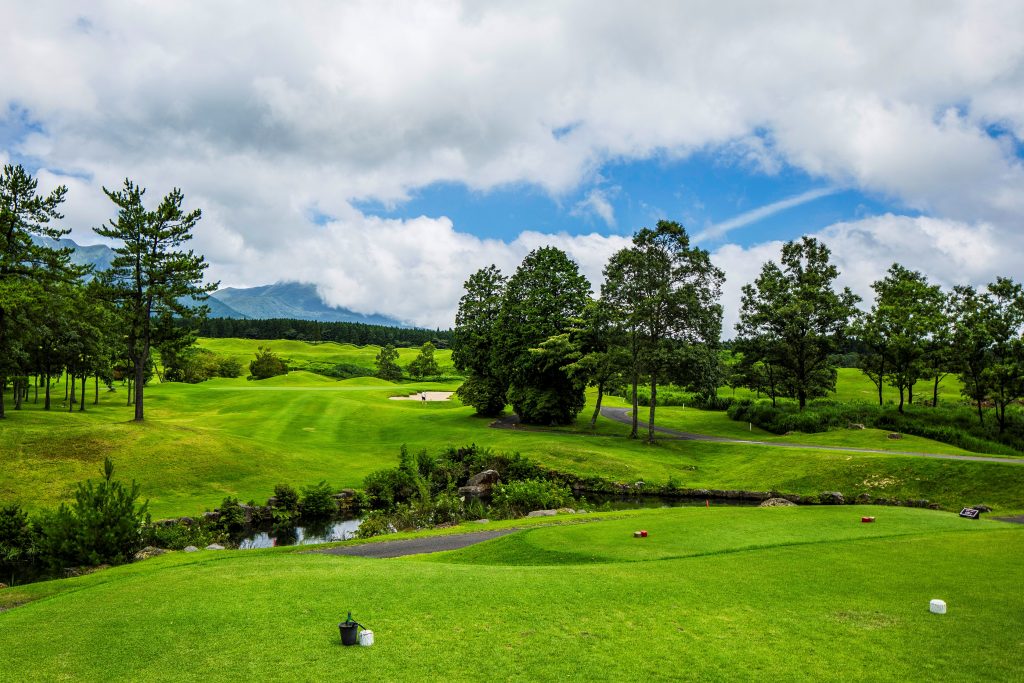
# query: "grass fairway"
{"type": "Point", "coordinates": [719, 594]}
{"type": "Point", "coordinates": [224, 437]}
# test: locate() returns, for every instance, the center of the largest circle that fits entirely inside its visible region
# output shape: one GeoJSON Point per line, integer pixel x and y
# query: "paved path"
{"type": "Point", "coordinates": [415, 546]}
{"type": "Point", "coordinates": [623, 415]}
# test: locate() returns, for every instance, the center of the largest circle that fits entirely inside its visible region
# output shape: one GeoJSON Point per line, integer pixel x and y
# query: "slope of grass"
{"type": "Point", "coordinates": [203, 442]}
{"type": "Point", "coordinates": [301, 354]}
{"type": "Point", "coordinates": [833, 600]}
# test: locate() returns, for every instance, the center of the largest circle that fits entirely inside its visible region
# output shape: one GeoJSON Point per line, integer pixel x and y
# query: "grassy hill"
{"type": "Point", "coordinates": [719, 594]}
{"type": "Point", "coordinates": [224, 437]}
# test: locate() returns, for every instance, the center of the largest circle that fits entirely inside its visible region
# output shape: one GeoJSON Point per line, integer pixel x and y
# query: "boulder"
{"type": "Point", "coordinates": [474, 491]}
{"type": "Point", "coordinates": [187, 521]}
{"type": "Point", "coordinates": [566, 511]}
{"type": "Point", "coordinates": [777, 503]}
{"type": "Point", "coordinates": [856, 425]}
{"type": "Point", "coordinates": [894, 435]}
{"type": "Point", "coordinates": [831, 498]}
{"type": "Point", "coordinates": [215, 546]}
{"type": "Point", "coordinates": [982, 508]}
{"type": "Point", "coordinates": [211, 516]}
{"type": "Point", "coordinates": [482, 521]}
{"type": "Point", "coordinates": [190, 549]}
{"type": "Point", "coordinates": [3, 586]}
{"type": "Point", "coordinates": [148, 552]}
{"type": "Point", "coordinates": [486, 478]}
{"type": "Point", "coordinates": [864, 499]}
{"type": "Point", "coordinates": [543, 513]}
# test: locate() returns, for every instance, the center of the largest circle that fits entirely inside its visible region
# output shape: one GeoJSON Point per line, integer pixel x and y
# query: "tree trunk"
{"type": "Point", "coordinates": [597, 407]}
{"type": "Point", "coordinates": [46, 406]}
{"type": "Point", "coordinates": [1001, 414]}
{"type": "Point", "coordinates": [140, 381]}
{"type": "Point", "coordinates": [901, 397]}
{"type": "Point", "coordinates": [96, 401]}
{"type": "Point", "coordinates": [36, 400]}
{"type": "Point", "coordinates": [935, 392]}
{"type": "Point", "coordinates": [129, 402]}
{"type": "Point", "coordinates": [636, 408]}
{"type": "Point", "coordinates": [85, 382]}
{"type": "Point", "coordinates": [981, 416]}
{"type": "Point", "coordinates": [71, 385]}
{"type": "Point", "coordinates": [910, 394]}
{"type": "Point", "coordinates": [17, 393]}
{"type": "Point", "coordinates": [801, 395]}
{"type": "Point", "coordinates": [3, 388]}
{"type": "Point", "coordinates": [881, 383]}
{"type": "Point", "coordinates": [64, 379]}
{"type": "Point", "coordinates": [654, 403]}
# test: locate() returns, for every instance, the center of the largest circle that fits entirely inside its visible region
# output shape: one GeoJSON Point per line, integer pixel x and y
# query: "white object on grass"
{"type": "Point", "coordinates": [937, 606]}
{"type": "Point", "coordinates": [366, 638]}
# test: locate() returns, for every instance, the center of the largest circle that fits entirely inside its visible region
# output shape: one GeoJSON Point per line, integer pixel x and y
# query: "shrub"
{"type": "Point", "coordinates": [267, 364]}
{"type": "Point", "coordinates": [229, 367]}
{"type": "Point", "coordinates": [286, 503]}
{"type": "Point", "coordinates": [516, 498]}
{"type": "Point", "coordinates": [102, 526]}
{"type": "Point", "coordinates": [232, 515]}
{"type": "Point", "coordinates": [318, 501]}
{"type": "Point", "coordinates": [179, 536]}
{"type": "Point", "coordinates": [375, 524]}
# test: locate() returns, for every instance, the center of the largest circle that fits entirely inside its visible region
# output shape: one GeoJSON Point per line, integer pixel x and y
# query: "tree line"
{"type": "Point", "coordinates": [361, 334]}
{"type": "Point", "coordinates": [62, 320]}
{"type": "Point", "coordinates": [538, 338]}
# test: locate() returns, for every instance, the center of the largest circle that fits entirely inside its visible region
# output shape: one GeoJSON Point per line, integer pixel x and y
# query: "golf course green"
{"type": "Point", "coordinates": [712, 594]}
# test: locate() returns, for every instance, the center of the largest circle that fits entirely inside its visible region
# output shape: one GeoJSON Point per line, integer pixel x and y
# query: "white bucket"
{"type": "Point", "coordinates": [937, 606]}
{"type": "Point", "coordinates": [366, 638]}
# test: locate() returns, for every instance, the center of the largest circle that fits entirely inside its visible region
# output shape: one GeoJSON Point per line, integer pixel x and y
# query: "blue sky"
{"type": "Point", "coordinates": [700, 191]}
{"type": "Point", "coordinates": [383, 151]}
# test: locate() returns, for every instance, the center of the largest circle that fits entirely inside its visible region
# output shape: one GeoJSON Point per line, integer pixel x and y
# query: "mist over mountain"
{"type": "Point", "coordinates": [280, 300]}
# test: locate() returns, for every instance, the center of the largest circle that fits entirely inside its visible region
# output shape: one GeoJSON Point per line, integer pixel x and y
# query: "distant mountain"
{"type": "Point", "coordinates": [281, 300]}
{"type": "Point", "coordinates": [293, 300]}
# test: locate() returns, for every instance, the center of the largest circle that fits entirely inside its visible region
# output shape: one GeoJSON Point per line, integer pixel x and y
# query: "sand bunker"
{"type": "Point", "coordinates": [426, 396]}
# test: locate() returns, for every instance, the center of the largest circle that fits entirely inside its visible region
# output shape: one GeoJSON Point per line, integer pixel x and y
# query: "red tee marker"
{"type": "Point", "coordinates": [643, 533]}
{"type": "Point", "coordinates": [866, 520]}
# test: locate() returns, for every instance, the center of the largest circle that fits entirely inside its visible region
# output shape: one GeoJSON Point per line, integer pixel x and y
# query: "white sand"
{"type": "Point", "coordinates": [426, 396]}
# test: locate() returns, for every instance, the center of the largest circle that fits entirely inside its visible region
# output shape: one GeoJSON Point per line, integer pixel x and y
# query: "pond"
{"type": "Point", "coordinates": [299, 535]}
{"type": "Point", "coordinates": [346, 529]}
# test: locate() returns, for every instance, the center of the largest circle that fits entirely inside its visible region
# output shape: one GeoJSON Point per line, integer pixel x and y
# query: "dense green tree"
{"type": "Point", "coordinates": [665, 297]}
{"type": "Point", "coordinates": [796, 319]}
{"type": "Point", "coordinates": [26, 266]}
{"type": "Point", "coordinates": [424, 365]}
{"type": "Point", "coordinates": [387, 364]}
{"type": "Point", "coordinates": [151, 277]}
{"type": "Point", "coordinates": [907, 314]}
{"type": "Point", "coordinates": [601, 355]}
{"type": "Point", "coordinates": [542, 298]}
{"type": "Point", "coordinates": [972, 338]}
{"type": "Point", "coordinates": [1004, 374]}
{"type": "Point", "coordinates": [475, 342]}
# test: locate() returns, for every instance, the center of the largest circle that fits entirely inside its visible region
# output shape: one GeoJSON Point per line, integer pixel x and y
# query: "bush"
{"type": "Point", "coordinates": [229, 367]}
{"type": "Point", "coordinates": [232, 515]}
{"type": "Point", "coordinates": [516, 498]}
{"type": "Point", "coordinates": [286, 503]}
{"type": "Point", "coordinates": [267, 364]}
{"type": "Point", "coordinates": [180, 536]}
{"type": "Point", "coordinates": [318, 502]}
{"type": "Point", "coordinates": [102, 526]}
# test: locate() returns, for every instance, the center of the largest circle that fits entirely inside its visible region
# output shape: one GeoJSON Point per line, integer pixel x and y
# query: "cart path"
{"type": "Point", "coordinates": [623, 415]}
{"type": "Point", "coordinates": [415, 546]}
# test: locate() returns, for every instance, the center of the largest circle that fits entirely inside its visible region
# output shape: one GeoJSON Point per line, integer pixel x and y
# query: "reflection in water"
{"type": "Point", "coordinates": [298, 535]}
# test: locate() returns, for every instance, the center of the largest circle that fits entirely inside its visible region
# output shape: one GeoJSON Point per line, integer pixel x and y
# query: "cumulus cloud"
{"type": "Point", "coordinates": [260, 113]}
{"type": "Point", "coordinates": [948, 252]}
{"type": "Point", "coordinates": [596, 203]}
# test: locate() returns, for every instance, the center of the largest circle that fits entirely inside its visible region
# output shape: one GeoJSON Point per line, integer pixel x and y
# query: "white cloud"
{"type": "Point", "coordinates": [948, 252]}
{"type": "Point", "coordinates": [719, 230]}
{"type": "Point", "coordinates": [596, 203]}
{"type": "Point", "coordinates": [260, 112]}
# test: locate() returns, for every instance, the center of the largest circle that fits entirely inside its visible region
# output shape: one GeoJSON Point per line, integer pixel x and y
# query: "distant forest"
{"type": "Point", "coordinates": [315, 331]}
